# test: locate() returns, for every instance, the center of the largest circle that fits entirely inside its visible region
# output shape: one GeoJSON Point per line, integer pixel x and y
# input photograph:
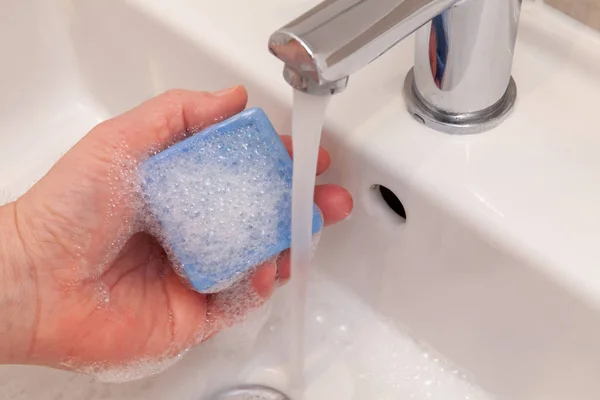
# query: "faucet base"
{"type": "Point", "coordinates": [467, 123]}
{"type": "Point", "coordinates": [250, 392]}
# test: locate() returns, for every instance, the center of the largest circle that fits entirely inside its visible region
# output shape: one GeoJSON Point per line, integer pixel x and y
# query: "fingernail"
{"type": "Point", "coordinates": [225, 92]}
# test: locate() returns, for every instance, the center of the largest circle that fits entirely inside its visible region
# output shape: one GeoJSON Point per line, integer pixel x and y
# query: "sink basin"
{"type": "Point", "coordinates": [487, 287]}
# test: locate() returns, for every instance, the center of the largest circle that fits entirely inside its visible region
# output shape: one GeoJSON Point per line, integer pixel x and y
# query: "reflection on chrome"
{"type": "Point", "coordinates": [461, 80]}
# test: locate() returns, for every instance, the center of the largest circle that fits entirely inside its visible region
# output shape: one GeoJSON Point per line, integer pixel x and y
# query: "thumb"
{"type": "Point", "coordinates": [85, 207]}
{"type": "Point", "coordinates": [164, 120]}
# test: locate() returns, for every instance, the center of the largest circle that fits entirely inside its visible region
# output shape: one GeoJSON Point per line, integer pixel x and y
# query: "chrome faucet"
{"type": "Point", "coordinates": [461, 80]}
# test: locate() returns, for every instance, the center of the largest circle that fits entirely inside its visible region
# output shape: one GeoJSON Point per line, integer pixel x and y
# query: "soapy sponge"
{"type": "Point", "coordinates": [220, 201]}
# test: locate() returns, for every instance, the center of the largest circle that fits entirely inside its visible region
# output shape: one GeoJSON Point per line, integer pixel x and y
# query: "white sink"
{"type": "Point", "coordinates": [497, 266]}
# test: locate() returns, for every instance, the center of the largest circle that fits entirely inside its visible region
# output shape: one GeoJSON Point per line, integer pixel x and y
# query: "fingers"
{"type": "Point", "coordinates": [284, 267]}
{"type": "Point", "coordinates": [230, 306]}
{"type": "Point", "coordinates": [323, 161]}
{"type": "Point", "coordinates": [263, 279]}
{"type": "Point", "coordinates": [159, 122]}
{"type": "Point", "coordinates": [335, 204]}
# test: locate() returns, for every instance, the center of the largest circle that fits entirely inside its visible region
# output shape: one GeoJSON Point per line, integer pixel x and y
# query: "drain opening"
{"type": "Point", "coordinates": [391, 200]}
{"type": "Point", "coordinates": [250, 392]}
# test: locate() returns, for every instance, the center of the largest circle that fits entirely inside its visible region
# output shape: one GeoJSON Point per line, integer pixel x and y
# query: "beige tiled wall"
{"type": "Point", "coordinates": [586, 11]}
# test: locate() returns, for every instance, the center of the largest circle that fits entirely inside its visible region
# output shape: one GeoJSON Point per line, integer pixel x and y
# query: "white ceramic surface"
{"type": "Point", "coordinates": [498, 264]}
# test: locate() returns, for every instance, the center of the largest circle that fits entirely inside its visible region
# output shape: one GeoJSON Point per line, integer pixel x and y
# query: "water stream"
{"type": "Point", "coordinates": [307, 123]}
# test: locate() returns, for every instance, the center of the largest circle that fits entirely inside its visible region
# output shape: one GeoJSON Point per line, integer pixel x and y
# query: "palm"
{"type": "Point", "coordinates": [121, 299]}
{"type": "Point", "coordinates": [139, 308]}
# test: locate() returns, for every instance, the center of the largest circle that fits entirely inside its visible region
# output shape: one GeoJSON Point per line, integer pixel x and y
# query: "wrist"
{"type": "Point", "coordinates": [17, 291]}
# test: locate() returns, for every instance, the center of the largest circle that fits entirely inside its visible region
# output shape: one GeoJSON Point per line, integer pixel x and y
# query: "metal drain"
{"type": "Point", "coordinates": [250, 392]}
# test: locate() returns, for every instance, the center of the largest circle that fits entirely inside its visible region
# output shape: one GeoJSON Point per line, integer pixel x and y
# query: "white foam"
{"type": "Point", "coordinates": [231, 306]}
{"type": "Point", "coordinates": [222, 199]}
{"type": "Point", "coordinates": [127, 372]}
{"type": "Point", "coordinates": [102, 294]}
{"type": "Point", "coordinates": [351, 353]}
{"type": "Point", "coordinates": [354, 353]}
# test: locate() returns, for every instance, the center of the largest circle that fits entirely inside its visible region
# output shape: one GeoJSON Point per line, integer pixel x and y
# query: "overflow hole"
{"type": "Point", "coordinates": [391, 200]}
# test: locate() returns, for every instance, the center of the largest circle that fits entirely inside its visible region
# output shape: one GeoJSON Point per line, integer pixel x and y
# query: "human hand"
{"type": "Point", "coordinates": [85, 285]}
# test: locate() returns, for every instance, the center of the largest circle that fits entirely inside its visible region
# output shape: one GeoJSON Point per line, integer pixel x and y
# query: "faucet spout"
{"type": "Point", "coordinates": [321, 48]}
{"type": "Point", "coordinates": [461, 80]}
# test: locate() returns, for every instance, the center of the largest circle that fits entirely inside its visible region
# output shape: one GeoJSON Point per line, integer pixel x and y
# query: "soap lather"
{"type": "Point", "coordinates": [220, 200]}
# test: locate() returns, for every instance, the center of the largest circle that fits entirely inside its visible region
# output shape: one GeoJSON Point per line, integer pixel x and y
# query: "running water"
{"type": "Point", "coordinates": [307, 122]}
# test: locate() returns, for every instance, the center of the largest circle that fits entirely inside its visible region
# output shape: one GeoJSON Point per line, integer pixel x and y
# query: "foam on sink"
{"type": "Point", "coordinates": [354, 353]}
{"type": "Point", "coordinates": [220, 200]}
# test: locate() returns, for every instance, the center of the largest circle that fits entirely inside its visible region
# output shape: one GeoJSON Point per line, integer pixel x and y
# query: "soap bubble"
{"type": "Point", "coordinates": [230, 307]}
{"type": "Point", "coordinates": [127, 371]}
{"type": "Point", "coordinates": [221, 207]}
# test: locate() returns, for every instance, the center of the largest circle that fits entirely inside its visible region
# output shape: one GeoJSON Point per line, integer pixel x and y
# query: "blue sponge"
{"type": "Point", "coordinates": [220, 201]}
